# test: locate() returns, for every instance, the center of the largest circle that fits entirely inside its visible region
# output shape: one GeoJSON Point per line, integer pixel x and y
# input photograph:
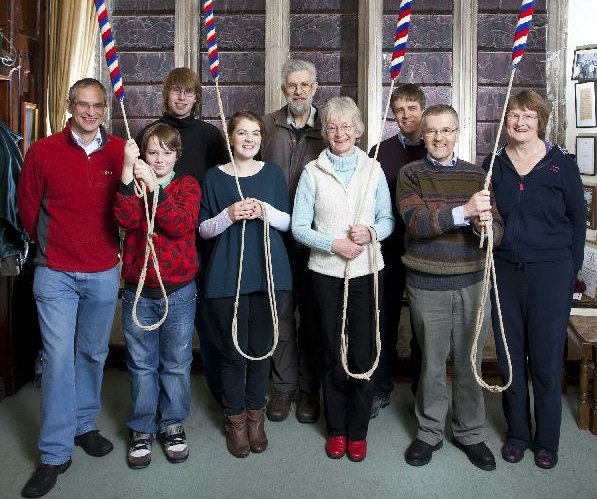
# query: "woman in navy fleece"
{"type": "Point", "coordinates": [539, 195]}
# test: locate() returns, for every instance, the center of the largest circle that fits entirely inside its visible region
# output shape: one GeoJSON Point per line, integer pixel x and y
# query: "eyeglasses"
{"type": "Point", "coordinates": [527, 118]}
{"type": "Point", "coordinates": [444, 132]}
{"type": "Point", "coordinates": [332, 130]}
{"type": "Point", "coordinates": [303, 87]}
{"type": "Point", "coordinates": [85, 106]}
{"type": "Point", "coordinates": [182, 92]}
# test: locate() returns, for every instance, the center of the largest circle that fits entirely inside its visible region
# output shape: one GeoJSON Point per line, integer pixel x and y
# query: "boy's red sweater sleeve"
{"type": "Point", "coordinates": [128, 208]}
{"type": "Point", "coordinates": [178, 213]}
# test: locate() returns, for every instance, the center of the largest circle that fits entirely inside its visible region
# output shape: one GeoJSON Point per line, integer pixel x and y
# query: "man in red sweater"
{"type": "Point", "coordinates": [65, 196]}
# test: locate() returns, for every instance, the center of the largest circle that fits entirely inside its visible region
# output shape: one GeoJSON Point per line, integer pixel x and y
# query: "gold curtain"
{"type": "Point", "coordinates": [72, 31]}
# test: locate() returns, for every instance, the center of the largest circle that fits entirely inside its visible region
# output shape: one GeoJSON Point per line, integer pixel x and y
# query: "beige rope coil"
{"type": "Point", "coordinates": [267, 253]}
{"type": "Point", "coordinates": [489, 276]}
{"type": "Point", "coordinates": [343, 338]}
{"type": "Point", "coordinates": [141, 192]}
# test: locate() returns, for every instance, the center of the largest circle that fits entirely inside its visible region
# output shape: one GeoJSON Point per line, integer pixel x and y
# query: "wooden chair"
{"type": "Point", "coordinates": [583, 331]}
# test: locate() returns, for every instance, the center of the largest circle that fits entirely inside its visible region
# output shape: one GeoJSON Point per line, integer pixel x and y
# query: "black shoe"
{"type": "Point", "coordinates": [93, 443]}
{"type": "Point", "coordinates": [419, 453]}
{"type": "Point", "coordinates": [307, 410]}
{"type": "Point", "coordinates": [546, 459]}
{"type": "Point", "coordinates": [379, 402]}
{"type": "Point", "coordinates": [278, 407]}
{"type": "Point", "coordinates": [512, 453]}
{"type": "Point", "coordinates": [43, 479]}
{"type": "Point", "coordinates": [479, 454]}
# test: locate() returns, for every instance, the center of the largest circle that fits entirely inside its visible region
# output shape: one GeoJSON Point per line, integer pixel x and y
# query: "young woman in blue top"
{"type": "Point", "coordinates": [244, 382]}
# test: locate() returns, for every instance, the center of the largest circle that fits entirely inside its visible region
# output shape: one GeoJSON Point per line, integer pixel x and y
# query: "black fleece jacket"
{"type": "Point", "coordinates": [544, 211]}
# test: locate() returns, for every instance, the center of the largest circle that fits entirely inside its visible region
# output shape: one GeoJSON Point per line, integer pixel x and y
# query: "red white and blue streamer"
{"type": "Point", "coordinates": [110, 49]}
{"type": "Point", "coordinates": [523, 26]}
{"type": "Point", "coordinates": [212, 39]}
{"type": "Point", "coordinates": [400, 38]}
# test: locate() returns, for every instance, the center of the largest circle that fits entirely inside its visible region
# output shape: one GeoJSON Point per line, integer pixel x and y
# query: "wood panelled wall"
{"type": "Point", "coordinates": [23, 23]}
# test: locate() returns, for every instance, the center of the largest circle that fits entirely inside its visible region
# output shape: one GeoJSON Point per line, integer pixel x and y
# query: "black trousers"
{"type": "Point", "coordinates": [347, 401]}
{"type": "Point", "coordinates": [391, 311]}
{"type": "Point", "coordinates": [244, 382]}
{"type": "Point", "coordinates": [295, 362]}
{"type": "Point", "coordinates": [535, 299]}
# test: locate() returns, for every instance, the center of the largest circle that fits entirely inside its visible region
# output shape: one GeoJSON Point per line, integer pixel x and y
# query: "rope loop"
{"type": "Point", "coordinates": [489, 276]}
{"type": "Point", "coordinates": [141, 192]}
{"type": "Point", "coordinates": [267, 253]}
{"type": "Point", "coordinates": [373, 248]}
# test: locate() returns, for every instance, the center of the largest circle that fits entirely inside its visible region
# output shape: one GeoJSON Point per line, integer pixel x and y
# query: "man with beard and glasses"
{"type": "Point", "coordinates": [293, 138]}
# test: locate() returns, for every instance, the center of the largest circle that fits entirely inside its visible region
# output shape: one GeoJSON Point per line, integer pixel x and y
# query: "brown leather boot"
{"type": "Point", "coordinates": [237, 438]}
{"type": "Point", "coordinates": [256, 426]}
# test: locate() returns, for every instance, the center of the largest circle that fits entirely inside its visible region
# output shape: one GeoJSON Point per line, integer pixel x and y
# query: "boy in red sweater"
{"type": "Point", "coordinates": [159, 361]}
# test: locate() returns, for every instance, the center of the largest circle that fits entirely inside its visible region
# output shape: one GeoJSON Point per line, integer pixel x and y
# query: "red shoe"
{"type": "Point", "coordinates": [335, 447]}
{"type": "Point", "coordinates": [357, 450]}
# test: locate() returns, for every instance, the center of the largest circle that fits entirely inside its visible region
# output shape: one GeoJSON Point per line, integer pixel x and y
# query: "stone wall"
{"type": "Point", "coordinates": [429, 58]}
{"type": "Point", "coordinates": [240, 27]}
{"type": "Point", "coordinates": [495, 36]}
{"type": "Point", "coordinates": [144, 33]}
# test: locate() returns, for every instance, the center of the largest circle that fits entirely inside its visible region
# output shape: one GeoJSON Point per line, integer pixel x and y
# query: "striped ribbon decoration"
{"type": "Point", "coordinates": [400, 38]}
{"type": "Point", "coordinates": [523, 26]}
{"type": "Point", "coordinates": [110, 49]}
{"type": "Point", "coordinates": [212, 40]}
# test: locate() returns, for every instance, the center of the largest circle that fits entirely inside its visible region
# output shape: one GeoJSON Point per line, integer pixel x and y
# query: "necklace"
{"type": "Point", "coordinates": [524, 164]}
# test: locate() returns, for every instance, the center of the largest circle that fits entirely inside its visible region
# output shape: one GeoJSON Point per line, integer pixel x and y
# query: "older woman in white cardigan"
{"type": "Point", "coordinates": [329, 195]}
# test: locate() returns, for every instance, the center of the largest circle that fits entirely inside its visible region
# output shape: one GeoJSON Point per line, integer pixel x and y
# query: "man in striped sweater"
{"type": "Point", "coordinates": [443, 206]}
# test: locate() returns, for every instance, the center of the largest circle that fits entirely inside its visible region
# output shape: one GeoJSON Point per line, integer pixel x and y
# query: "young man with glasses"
{"type": "Point", "coordinates": [407, 102]}
{"type": "Point", "coordinates": [65, 196]}
{"type": "Point", "coordinates": [203, 146]}
{"type": "Point", "coordinates": [293, 138]}
{"type": "Point", "coordinates": [444, 208]}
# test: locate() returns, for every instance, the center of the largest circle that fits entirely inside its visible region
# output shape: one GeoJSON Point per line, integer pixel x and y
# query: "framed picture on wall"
{"type": "Point", "coordinates": [586, 114]}
{"type": "Point", "coordinates": [586, 153]}
{"type": "Point", "coordinates": [589, 193]}
{"type": "Point", "coordinates": [29, 124]}
{"type": "Point", "coordinates": [584, 66]}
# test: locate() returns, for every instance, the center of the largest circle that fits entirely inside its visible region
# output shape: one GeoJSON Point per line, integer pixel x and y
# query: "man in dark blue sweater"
{"type": "Point", "coordinates": [407, 102]}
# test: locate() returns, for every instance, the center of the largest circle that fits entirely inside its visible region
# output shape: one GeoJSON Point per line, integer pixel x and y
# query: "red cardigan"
{"type": "Point", "coordinates": [174, 232]}
{"type": "Point", "coordinates": [65, 202]}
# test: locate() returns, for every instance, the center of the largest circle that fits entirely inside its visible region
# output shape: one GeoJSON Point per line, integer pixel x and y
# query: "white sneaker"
{"type": "Point", "coordinates": [139, 455]}
{"type": "Point", "coordinates": [174, 442]}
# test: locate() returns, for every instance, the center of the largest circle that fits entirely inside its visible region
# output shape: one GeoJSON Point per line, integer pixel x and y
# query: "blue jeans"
{"type": "Point", "coordinates": [159, 361]}
{"type": "Point", "coordinates": [75, 312]}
